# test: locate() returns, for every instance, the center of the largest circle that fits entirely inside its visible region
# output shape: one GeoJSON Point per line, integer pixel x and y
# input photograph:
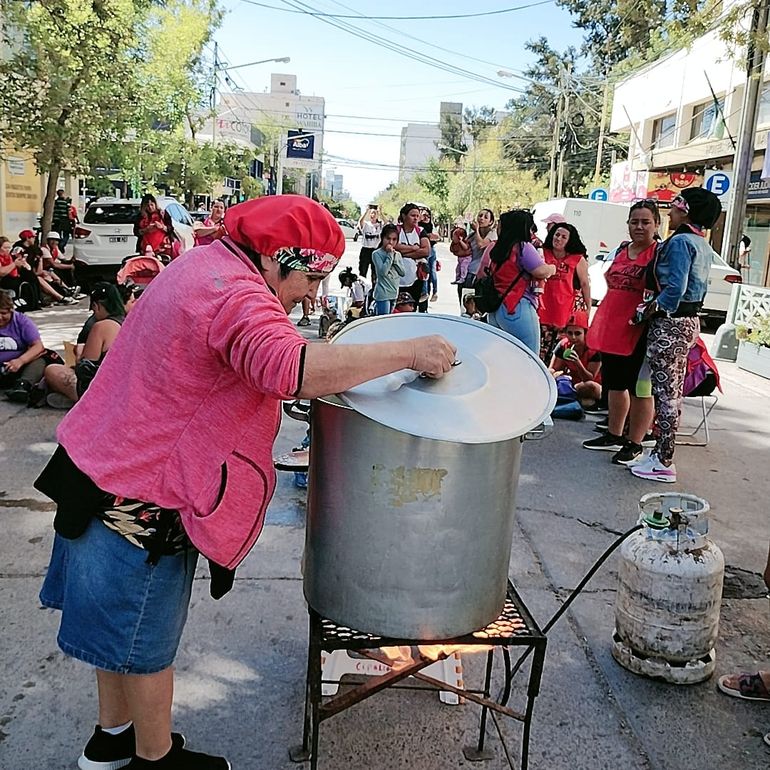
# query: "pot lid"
{"type": "Point", "coordinates": [498, 390]}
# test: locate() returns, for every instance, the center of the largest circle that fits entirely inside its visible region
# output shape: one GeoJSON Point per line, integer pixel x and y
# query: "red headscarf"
{"type": "Point", "coordinates": [296, 230]}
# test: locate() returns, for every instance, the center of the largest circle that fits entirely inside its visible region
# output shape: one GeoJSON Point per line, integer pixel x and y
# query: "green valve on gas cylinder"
{"type": "Point", "coordinates": [656, 520]}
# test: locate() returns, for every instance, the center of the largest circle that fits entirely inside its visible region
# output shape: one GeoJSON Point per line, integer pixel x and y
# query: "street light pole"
{"type": "Point", "coordinates": [744, 153]}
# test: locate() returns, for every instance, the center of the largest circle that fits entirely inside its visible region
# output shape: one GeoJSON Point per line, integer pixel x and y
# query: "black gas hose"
{"type": "Point", "coordinates": [510, 671]}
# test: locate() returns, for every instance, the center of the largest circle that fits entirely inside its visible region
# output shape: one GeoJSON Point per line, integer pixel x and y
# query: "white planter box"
{"type": "Point", "coordinates": [754, 358]}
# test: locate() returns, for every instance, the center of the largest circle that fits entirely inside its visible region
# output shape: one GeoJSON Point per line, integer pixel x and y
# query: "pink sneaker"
{"type": "Point", "coordinates": [654, 470]}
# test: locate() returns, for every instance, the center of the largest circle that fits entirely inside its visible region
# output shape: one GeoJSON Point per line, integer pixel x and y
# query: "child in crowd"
{"type": "Point", "coordinates": [405, 303]}
{"type": "Point", "coordinates": [574, 359]}
{"type": "Point", "coordinates": [357, 289]}
{"type": "Point", "coordinates": [388, 267]}
{"type": "Point", "coordinates": [469, 306]}
{"type": "Point", "coordinates": [462, 250]}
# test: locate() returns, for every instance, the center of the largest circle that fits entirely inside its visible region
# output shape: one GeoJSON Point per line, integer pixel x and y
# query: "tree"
{"type": "Point", "coordinates": [68, 82]}
{"type": "Point", "coordinates": [452, 144]}
{"type": "Point", "coordinates": [558, 89]}
{"type": "Point", "coordinates": [616, 30]}
{"type": "Point", "coordinates": [491, 180]}
{"type": "Point", "coordinates": [435, 182]}
{"type": "Point", "coordinates": [90, 84]}
{"type": "Point", "coordinates": [478, 121]}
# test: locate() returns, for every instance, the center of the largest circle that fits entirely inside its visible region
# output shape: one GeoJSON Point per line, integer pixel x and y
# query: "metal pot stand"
{"type": "Point", "coordinates": [515, 627]}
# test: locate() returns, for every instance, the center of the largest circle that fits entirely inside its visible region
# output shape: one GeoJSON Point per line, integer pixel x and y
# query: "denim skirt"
{"type": "Point", "coordinates": [119, 613]}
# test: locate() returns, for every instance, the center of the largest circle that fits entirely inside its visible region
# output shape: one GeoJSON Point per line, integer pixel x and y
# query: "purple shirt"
{"type": "Point", "coordinates": [17, 337]}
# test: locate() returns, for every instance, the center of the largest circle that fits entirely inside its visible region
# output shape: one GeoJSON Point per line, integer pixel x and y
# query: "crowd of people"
{"type": "Point", "coordinates": [629, 362]}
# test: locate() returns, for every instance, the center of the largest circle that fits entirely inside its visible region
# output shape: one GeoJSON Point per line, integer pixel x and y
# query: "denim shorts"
{"type": "Point", "coordinates": [119, 613]}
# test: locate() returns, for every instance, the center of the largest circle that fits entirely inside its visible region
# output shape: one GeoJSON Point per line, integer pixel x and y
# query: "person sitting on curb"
{"type": "Point", "coordinates": [573, 358]}
{"type": "Point", "coordinates": [748, 686]}
{"type": "Point", "coordinates": [21, 351]}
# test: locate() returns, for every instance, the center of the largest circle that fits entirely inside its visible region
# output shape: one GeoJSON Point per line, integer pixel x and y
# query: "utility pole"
{"type": "Point", "coordinates": [744, 154]}
{"type": "Point", "coordinates": [602, 125]}
{"type": "Point", "coordinates": [214, 97]}
{"type": "Point", "coordinates": [560, 183]}
{"type": "Point", "coordinates": [555, 141]}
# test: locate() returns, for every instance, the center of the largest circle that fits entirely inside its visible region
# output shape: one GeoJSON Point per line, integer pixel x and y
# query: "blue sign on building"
{"type": "Point", "coordinates": [718, 183]}
{"type": "Point", "coordinates": [759, 189]}
{"type": "Point", "coordinates": [301, 144]}
{"type": "Point", "coordinates": [599, 194]}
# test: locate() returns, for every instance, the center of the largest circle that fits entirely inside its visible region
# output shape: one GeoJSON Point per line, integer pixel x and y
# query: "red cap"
{"type": "Point", "coordinates": [279, 222]}
{"type": "Point", "coordinates": [578, 318]}
{"type": "Point", "coordinates": [24, 234]}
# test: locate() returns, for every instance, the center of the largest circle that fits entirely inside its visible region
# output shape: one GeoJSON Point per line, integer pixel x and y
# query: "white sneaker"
{"type": "Point", "coordinates": [654, 470]}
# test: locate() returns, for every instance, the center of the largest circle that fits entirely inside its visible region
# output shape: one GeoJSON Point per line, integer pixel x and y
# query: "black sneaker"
{"type": "Point", "coordinates": [19, 394]}
{"type": "Point", "coordinates": [180, 759]}
{"type": "Point", "coordinates": [596, 409]}
{"type": "Point", "coordinates": [602, 426]}
{"type": "Point", "coordinates": [605, 443]}
{"type": "Point", "coordinates": [628, 454]}
{"type": "Point", "coordinates": [111, 752]}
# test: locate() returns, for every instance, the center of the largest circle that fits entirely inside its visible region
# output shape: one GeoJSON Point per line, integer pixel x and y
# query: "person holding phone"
{"type": "Point", "coordinates": [370, 225]}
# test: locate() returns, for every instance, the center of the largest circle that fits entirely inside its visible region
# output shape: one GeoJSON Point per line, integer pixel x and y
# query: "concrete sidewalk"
{"type": "Point", "coordinates": [241, 668]}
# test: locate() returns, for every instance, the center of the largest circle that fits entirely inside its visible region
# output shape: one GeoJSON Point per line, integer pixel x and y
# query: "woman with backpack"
{"type": "Point", "coordinates": [513, 264]}
{"type": "Point", "coordinates": [623, 345]}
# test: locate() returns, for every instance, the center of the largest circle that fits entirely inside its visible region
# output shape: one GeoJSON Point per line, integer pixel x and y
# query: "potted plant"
{"type": "Point", "coordinates": [754, 350]}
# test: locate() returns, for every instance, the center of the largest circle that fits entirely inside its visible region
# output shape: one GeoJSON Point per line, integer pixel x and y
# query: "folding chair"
{"type": "Point", "coordinates": [706, 405]}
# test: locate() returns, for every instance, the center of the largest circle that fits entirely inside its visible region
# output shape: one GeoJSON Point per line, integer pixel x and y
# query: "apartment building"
{"type": "Point", "coordinates": [683, 113]}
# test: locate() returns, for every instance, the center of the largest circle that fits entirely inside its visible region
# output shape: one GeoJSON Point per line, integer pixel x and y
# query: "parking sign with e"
{"type": "Point", "coordinates": [718, 183]}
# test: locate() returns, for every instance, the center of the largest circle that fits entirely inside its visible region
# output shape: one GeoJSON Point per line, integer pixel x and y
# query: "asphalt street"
{"type": "Point", "coordinates": [241, 666]}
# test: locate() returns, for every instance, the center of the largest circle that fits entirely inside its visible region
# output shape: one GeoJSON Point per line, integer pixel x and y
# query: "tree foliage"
{"type": "Point", "coordinates": [100, 86]}
{"type": "Point", "coordinates": [67, 82]}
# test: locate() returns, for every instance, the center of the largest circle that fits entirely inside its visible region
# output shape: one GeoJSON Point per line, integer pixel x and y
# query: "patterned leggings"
{"type": "Point", "coordinates": [668, 342]}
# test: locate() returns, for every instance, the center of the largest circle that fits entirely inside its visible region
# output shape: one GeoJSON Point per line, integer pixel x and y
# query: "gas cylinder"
{"type": "Point", "coordinates": [670, 592]}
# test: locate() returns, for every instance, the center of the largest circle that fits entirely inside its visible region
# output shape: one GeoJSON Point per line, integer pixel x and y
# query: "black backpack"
{"type": "Point", "coordinates": [488, 298]}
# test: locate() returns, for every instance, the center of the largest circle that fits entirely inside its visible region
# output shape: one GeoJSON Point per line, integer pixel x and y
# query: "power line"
{"type": "Point", "coordinates": [321, 14]}
{"type": "Point", "coordinates": [430, 61]}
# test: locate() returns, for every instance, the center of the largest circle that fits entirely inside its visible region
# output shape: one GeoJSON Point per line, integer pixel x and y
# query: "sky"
{"type": "Point", "coordinates": [373, 88]}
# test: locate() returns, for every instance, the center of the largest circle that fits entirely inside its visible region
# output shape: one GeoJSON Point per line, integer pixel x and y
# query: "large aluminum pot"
{"type": "Point", "coordinates": [406, 536]}
{"type": "Point", "coordinates": [409, 535]}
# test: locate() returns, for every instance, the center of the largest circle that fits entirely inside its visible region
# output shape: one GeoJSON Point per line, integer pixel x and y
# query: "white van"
{"type": "Point", "coordinates": [602, 226]}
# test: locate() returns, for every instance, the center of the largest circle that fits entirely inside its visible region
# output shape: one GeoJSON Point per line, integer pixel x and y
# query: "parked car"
{"type": "Point", "coordinates": [721, 280]}
{"type": "Point", "coordinates": [349, 229]}
{"type": "Point", "coordinates": [106, 237]}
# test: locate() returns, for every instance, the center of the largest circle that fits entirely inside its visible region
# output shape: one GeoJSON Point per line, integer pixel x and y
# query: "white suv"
{"type": "Point", "coordinates": [106, 237]}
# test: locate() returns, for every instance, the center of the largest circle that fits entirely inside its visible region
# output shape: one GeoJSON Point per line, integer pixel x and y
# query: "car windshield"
{"type": "Point", "coordinates": [114, 214]}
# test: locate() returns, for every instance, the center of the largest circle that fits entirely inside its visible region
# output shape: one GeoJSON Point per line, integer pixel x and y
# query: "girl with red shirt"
{"type": "Point", "coordinates": [154, 228]}
{"type": "Point", "coordinates": [573, 357]}
{"type": "Point", "coordinates": [623, 345]}
{"type": "Point", "coordinates": [565, 251]}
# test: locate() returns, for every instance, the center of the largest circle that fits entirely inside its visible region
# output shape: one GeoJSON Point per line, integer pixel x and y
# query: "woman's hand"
{"type": "Point", "coordinates": [13, 366]}
{"type": "Point", "coordinates": [432, 355]}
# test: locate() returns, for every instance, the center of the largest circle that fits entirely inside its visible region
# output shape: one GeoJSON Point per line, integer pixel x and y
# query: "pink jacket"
{"type": "Point", "coordinates": [186, 406]}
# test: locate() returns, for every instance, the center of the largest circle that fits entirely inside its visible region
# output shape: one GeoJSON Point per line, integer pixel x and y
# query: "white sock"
{"type": "Point", "coordinates": [116, 730]}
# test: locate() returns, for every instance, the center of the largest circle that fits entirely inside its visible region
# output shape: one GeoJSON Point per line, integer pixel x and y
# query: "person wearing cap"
{"type": "Point", "coordinates": [572, 357]}
{"type": "Point", "coordinates": [552, 220]}
{"type": "Point", "coordinates": [192, 471]}
{"type": "Point", "coordinates": [41, 281]}
{"type": "Point", "coordinates": [55, 262]}
{"type": "Point", "coordinates": [678, 281]}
